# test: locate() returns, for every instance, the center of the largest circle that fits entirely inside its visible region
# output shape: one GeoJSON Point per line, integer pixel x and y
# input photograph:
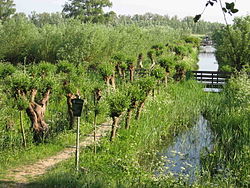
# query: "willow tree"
{"type": "Point", "coordinates": [32, 89]}
{"type": "Point", "coordinates": [118, 103]}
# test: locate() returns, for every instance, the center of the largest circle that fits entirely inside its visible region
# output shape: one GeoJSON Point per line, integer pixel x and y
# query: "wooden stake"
{"type": "Point", "coordinates": [22, 128]}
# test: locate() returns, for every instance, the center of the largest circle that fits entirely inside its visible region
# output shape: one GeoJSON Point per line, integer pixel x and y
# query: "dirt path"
{"type": "Point", "coordinates": [21, 175]}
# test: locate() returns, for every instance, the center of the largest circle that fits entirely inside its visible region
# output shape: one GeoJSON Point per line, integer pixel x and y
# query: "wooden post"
{"type": "Point", "coordinates": [22, 128]}
{"type": "Point", "coordinates": [212, 79]}
{"type": "Point", "coordinates": [77, 144]}
{"type": "Point", "coordinates": [95, 132]}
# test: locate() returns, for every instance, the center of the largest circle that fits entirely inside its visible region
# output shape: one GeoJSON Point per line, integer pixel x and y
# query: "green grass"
{"type": "Point", "coordinates": [15, 158]}
{"type": "Point", "coordinates": [229, 163]}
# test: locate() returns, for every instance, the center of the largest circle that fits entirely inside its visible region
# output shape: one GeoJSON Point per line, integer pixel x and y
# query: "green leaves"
{"type": "Point", "coordinates": [230, 8]}
{"type": "Point", "coordinates": [89, 10]}
{"type": "Point", "coordinates": [197, 18]}
{"type": "Point", "coordinates": [6, 9]}
{"type": "Point", "coordinates": [118, 102]}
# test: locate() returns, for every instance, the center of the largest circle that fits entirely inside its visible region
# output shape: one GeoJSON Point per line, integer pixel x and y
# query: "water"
{"type": "Point", "coordinates": [183, 157]}
{"type": "Point", "coordinates": [207, 62]}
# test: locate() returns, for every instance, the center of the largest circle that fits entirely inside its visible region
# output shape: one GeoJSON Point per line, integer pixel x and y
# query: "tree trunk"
{"type": "Point", "coordinates": [131, 71]}
{"type": "Point", "coordinates": [152, 63]}
{"type": "Point", "coordinates": [107, 81]}
{"type": "Point", "coordinates": [139, 110]}
{"type": "Point", "coordinates": [128, 118]}
{"type": "Point", "coordinates": [36, 112]}
{"type": "Point", "coordinates": [71, 117]}
{"type": "Point", "coordinates": [139, 61]}
{"type": "Point", "coordinates": [166, 79]}
{"type": "Point", "coordinates": [112, 79]}
{"type": "Point", "coordinates": [114, 128]}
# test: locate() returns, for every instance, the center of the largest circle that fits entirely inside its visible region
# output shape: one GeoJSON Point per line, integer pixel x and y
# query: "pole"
{"type": "Point", "coordinates": [22, 129]}
{"type": "Point", "coordinates": [77, 144]}
{"type": "Point", "coordinates": [95, 133]}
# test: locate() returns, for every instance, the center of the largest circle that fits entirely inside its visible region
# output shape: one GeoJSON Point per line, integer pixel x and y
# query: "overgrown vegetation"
{"type": "Point", "coordinates": [228, 164]}
{"type": "Point", "coordinates": [130, 160]}
{"type": "Point", "coordinates": [132, 70]}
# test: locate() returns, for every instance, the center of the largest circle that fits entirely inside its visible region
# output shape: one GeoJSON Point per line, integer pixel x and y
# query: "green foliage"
{"type": "Point", "coordinates": [6, 69]}
{"type": "Point", "coordinates": [230, 122]}
{"type": "Point", "coordinates": [158, 72]}
{"type": "Point", "coordinates": [233, 44]}
{"type": "Point", "coordinates": [88, 10]}
{"type": "Point", "coordinates": [41, 19]}
{"type": "Point", "coordinates": [17, 40]}
{"type": "Point", "coordinates": [195, 41]}
{"type": "Point", "coordinates": [118, 103]}
{"type": "Point", "coordinates": [146, 84]}
{"type": "Point", "coordinates": [130, 160]}
{"type": "Point", "coordinates": [106, 69]}
{"type": "Point", "coordinates": [185, 25]}
{"type": "Point", "coordinates": [6, 9]}
{"type": "Point", "coordinates": [167, 62]}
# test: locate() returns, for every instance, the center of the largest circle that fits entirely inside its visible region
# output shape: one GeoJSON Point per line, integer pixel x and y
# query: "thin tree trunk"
{"type": "Point", "coordinates": [139, 110]}
{"type": "Point", "coordinates": [139, 61]}
{"type": "Point", "coordinates": [166, 79]}
{"type": "Point", "coordinates": [131, 71]}
{"type": "Point", "coordinates": [107, 81]}
{"type": "Point", "coordinates": [112, 79]}
{"type": "Point", "coordinates": [71, 117]}
{"type": "Point", "coordinates": [114, 128]}
{"type": "Point", "coordinates": [22, 129]}
{"type": "Point", "coordinates": [128, 118]}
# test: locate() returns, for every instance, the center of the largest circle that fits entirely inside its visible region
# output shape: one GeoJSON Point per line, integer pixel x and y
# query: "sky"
{"type": "Point", "coordinates": [181, 8]}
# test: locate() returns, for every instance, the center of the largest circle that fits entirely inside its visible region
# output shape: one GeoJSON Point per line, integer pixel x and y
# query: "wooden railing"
{"type": "Point", "coordinates": [212, 79]}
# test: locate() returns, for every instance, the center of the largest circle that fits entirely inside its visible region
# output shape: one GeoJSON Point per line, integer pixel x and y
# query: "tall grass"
{"type": "Point", "coordinates": [229, 163]}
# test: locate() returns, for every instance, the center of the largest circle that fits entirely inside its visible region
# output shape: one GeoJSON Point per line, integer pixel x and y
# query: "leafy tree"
{"type": "Point", "coordinates": [88, 10]}
{"type": "Point", "coordinates": [234, 50]}
{"type": "Point", "coordinates": [118, 103]}
{"type": "Point", "coordinates": [45, 18]}
{"type": "Point", "coordinates": [17, 40]}
{"type": "Point", "coordinates": [6, 9]}
{"type": "Point", "coordinates": [31, 90]}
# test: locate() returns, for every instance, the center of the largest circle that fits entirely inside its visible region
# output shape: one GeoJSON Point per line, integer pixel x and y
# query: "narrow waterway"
{"type": "Point", "coordinates": [183, 157]}
{"type": "Point", "coordinates": [207, 60]}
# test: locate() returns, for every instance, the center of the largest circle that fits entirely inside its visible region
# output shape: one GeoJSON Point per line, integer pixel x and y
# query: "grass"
{"type": "Point", "coordinates": [229, 163]}
{"type": "Point", "coordinates": [15, 158]}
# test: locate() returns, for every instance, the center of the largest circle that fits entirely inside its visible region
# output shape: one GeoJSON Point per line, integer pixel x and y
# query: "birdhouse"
{"type": "Point", "coordinates": [77, 105]}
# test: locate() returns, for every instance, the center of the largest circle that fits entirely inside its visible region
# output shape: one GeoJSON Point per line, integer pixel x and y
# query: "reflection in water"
{"type": "Point", "coordinates": [183, 156]}
{"type": "Point", "coordinates": [207, 60]}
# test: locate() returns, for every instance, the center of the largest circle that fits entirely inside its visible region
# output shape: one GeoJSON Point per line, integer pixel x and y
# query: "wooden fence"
{"type": "Point", "coordinates": [212, 79]}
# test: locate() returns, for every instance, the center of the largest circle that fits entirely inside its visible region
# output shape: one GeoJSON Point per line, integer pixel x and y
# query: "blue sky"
{"type": "Point", "coordinates": [181, 8]}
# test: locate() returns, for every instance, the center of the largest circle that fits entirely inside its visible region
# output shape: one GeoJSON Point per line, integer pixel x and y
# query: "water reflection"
{"type": "Point", "coordinates": [207, 60]}
{"type": "Point", "coordinates": [183, 156]}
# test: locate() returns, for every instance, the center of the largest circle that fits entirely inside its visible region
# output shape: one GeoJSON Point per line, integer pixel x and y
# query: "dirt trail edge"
{"type": "Point", "coordinates": [20, 176]}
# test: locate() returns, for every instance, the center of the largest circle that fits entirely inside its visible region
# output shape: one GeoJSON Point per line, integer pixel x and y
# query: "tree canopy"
{"type": "Point", "coordinates": [6, 9]}
{"type": "Point", "coordinates": [88, 10]}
